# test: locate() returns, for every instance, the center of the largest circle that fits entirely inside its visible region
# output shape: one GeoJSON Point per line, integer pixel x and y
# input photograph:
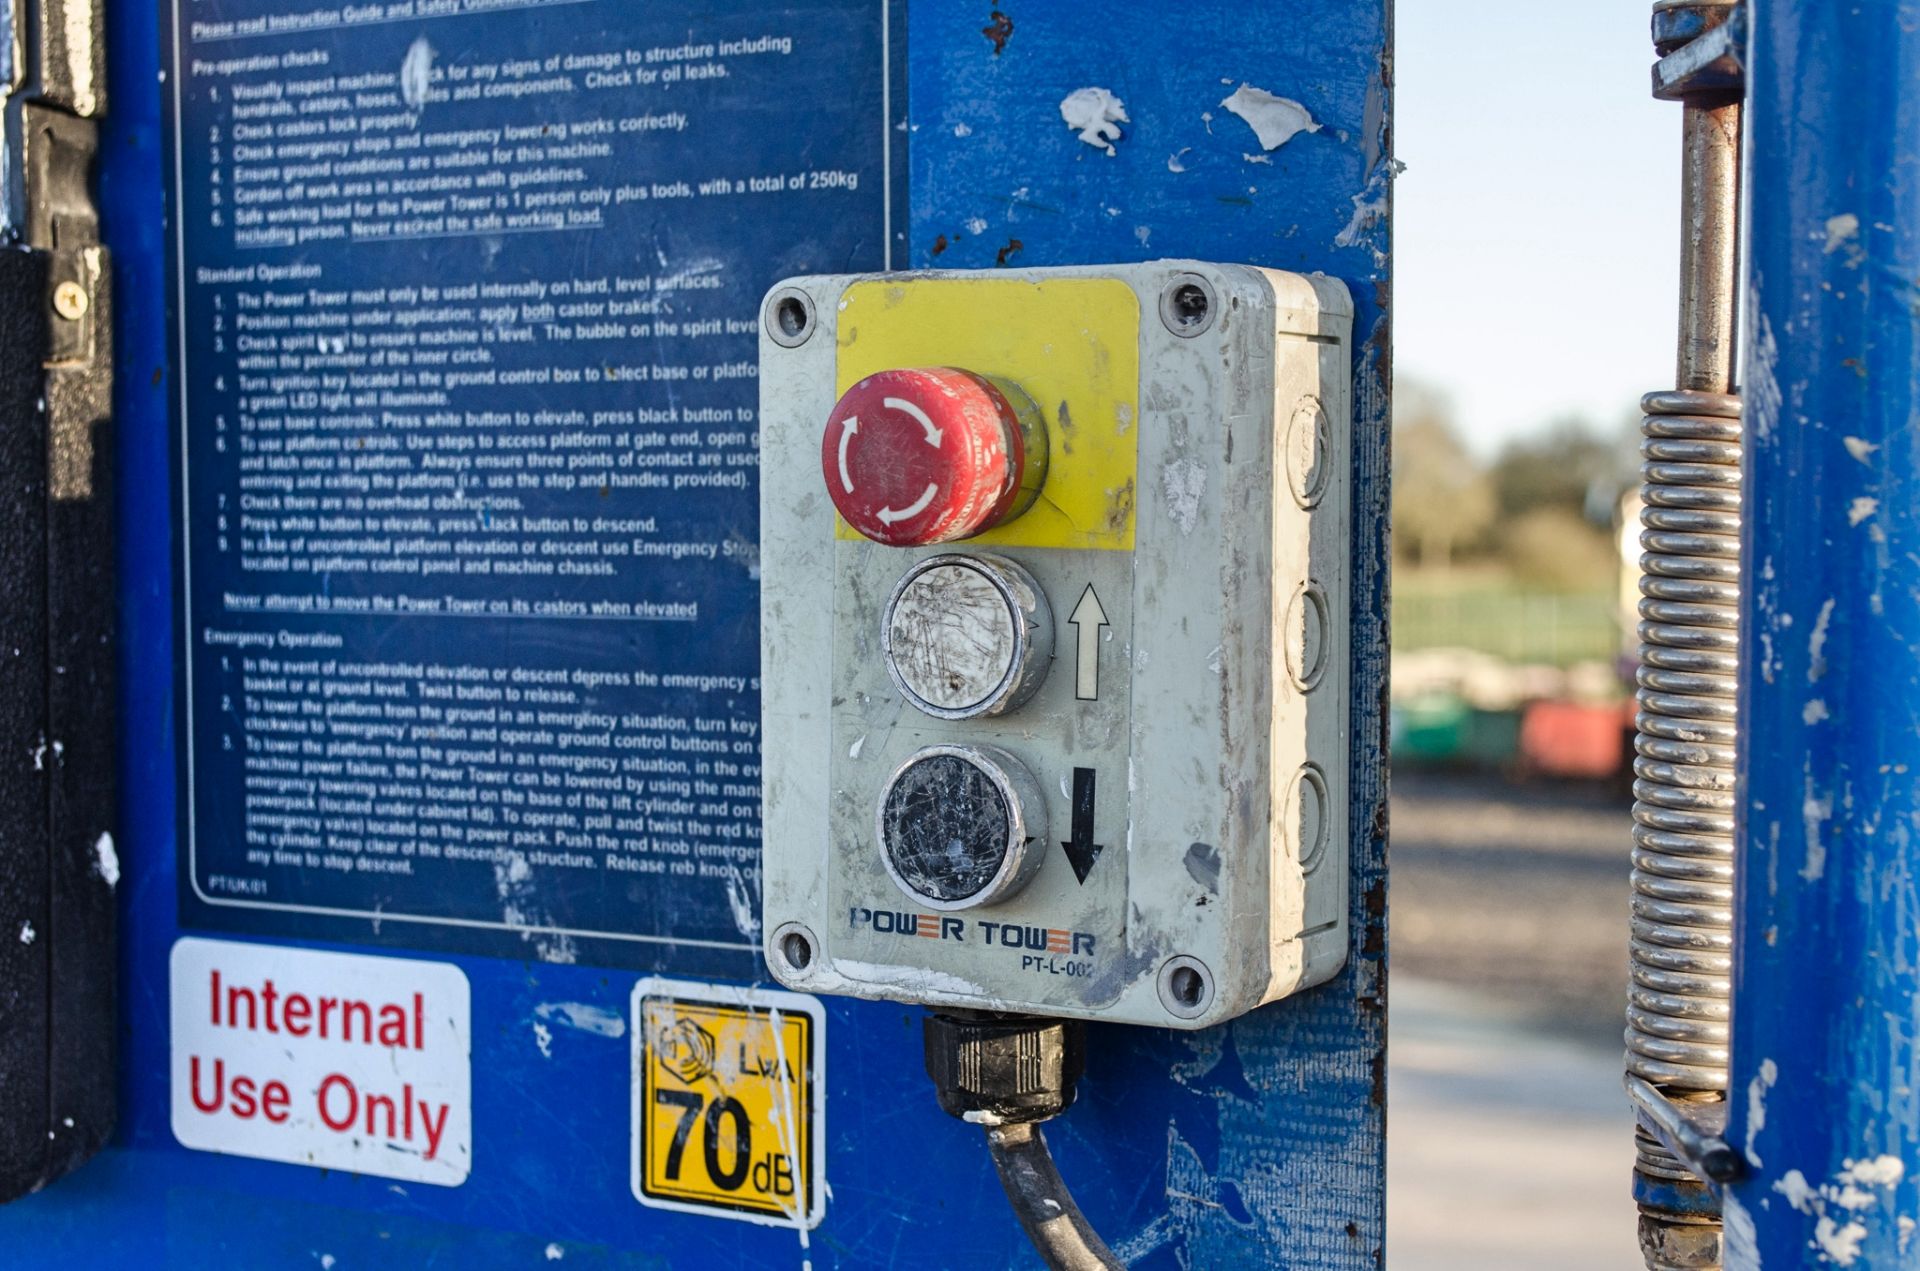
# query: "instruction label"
{"type": "Point", "coordinates": [333, 1060]}
{"type": "Point", "coordinates": [729, 1114]}
{"type": "Point", "coordinates": [466, 299]}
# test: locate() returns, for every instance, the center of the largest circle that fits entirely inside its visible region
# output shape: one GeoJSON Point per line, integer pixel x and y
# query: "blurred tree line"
{"type": "Point", "coordinates": [1541, 510]}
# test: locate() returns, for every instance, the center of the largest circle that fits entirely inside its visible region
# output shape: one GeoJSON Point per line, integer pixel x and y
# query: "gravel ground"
{"type": "Point", "coordinates": [1516, 891]}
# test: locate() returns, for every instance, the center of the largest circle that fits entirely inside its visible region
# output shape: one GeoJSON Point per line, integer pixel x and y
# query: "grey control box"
{"type": "Point", "coordinates": [1054, 578]}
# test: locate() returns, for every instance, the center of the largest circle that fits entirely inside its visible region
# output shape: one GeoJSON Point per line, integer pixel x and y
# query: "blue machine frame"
{"type": "Point", "coordinates": [1827, 947]}
{"type": "Point", "coordinates": [1262, 1141]}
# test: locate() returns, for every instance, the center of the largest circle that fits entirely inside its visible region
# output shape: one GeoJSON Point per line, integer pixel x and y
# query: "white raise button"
{"type": "Point", "coordinates": [967, 636]}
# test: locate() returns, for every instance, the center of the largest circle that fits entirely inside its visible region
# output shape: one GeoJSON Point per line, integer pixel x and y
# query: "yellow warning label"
{"type": "Point", "coordinates": [728, 1101]}
{"type": "Point", "coordinates": [1072, 343]}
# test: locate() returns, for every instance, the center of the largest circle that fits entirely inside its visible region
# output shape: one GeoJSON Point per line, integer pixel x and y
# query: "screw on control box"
{"type": "Point", "coordinates": [1153, 832]}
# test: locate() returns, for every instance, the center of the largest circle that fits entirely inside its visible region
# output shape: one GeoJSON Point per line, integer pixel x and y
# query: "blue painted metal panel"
{"type": "Point", "coordinates": [1270, 1132]}
{"type": "Point", "coordinates": [1255, 1143]}
{"type": "Point", "coordinates": [1827, 968]}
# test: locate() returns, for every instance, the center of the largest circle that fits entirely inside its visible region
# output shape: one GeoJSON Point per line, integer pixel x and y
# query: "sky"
{"type": "Point", "coordinates": [1536, 227]}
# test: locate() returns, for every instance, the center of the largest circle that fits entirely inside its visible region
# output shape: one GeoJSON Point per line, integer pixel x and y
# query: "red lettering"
{"type": "Point", "coordinates": [219, 1084]}
{"type": "Point", "coordinates": [382, 1102]}
{"type": "Point", "coordinates": [353, 1102]}
{"type": "Point", "coordinates": [244, 1102]}
{"type": "Point", "coordinates": [268, 1007]}
{"type": "Point", "coordinates": [273, 1102]}
{"type": "Point", "coordinates": [436, 1126]}
{"type": "Point", "coordinates": [237, 997]}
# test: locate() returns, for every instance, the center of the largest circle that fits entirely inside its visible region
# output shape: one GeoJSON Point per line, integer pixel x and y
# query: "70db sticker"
{"type": "Point", "coordinates": [729, 1101]}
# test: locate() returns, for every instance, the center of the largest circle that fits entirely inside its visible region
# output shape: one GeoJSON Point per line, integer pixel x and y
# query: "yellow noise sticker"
{"type": "Point", "coordinates": [1072, 343]}
{"type": "Point", "coordinates": [728, 1101]}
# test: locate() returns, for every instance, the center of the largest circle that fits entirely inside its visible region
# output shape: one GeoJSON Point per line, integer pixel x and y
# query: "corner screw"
{"type": "Point", "coordinates": [70, 301]}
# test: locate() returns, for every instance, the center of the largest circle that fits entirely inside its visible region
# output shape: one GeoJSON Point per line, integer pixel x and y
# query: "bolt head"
{"type": "Point", "coordinates": [70, 301]}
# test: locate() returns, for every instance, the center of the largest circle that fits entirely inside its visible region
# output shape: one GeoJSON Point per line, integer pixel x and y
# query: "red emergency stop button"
{"type": "Point", "coordinates": [933, 454]}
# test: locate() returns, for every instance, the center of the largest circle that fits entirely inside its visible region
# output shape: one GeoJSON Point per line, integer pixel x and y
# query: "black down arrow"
{"type": "Point", "coordinates": [1082, 851]}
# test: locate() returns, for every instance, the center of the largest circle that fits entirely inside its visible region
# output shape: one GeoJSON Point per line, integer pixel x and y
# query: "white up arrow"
{"type": "Point", "coordinates": [1087, 618]}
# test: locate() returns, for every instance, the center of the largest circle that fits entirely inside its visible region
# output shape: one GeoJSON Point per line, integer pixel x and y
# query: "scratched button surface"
{"type": "Point", "coordinates": [951, 636]}
{"type": "Point", "coordinates": [966, 636]}
{"type": "Point", "coordinates": [960, 826]}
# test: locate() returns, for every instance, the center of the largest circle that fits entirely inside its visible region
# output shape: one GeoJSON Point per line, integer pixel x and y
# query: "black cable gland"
{"type": "Point", "coordinates": [1006, 1069]}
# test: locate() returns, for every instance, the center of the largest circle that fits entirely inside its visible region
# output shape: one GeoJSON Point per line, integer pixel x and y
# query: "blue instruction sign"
{"type": "Point", "coordinates": [467, 301]}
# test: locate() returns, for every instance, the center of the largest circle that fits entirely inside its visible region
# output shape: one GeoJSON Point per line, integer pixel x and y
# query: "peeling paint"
{"type": "Point", "coordinates": [786, 1124]}
{"type": "Point", "coordinates": [1763, 388]}
{"type": "Point", "coordinates": [26, 933]}
{"type": "Point", "coordinates": [1860, 448]}
{"type": "Point", "coordinates": [1860, 509]}
{"type": "Point", "coordinates": [999, 30]}
{"type": "Point", "coordinates": [1369, 209]}
{"type": "Point", "coordinates": [1095, 115]}
{"type": "Point", "coordinates": [1762, 1082]}
{"type": "Point", "coordinates": [416, 73]}
{"type": "Point", "coordinates": [583, 1017]}
{"type": "Point", "coordinates": [1185, 483]}
{"type": "Point", "coordinates": [1838, 1237]}
{"type": "Point", "coordinates": [1840, 1244]}
{"type": "Point", "coordinates": [1815, 812]}
{"type": "Point", "coordinates": [1817, 643]}
{"type": "Point", "coordinates": [742, 904]}
{"type": "Point", "coordinates": [1275, 120]}
{"type": "Point", "coordinates": [1841, 229]}
{"type": "Point", "coordinates": [1881, 1171]}
{"type": "Point", "coordinates": [1814, 712]}
{"type": "Point", "coordinates": [106, 862]}
{"type": "Point", "coordinates": [1793, 1185]}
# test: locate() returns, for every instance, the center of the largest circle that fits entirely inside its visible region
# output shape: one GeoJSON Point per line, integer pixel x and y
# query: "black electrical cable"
{"type": "Point", "coordinates": [1042, 1203]}
{"type": "Point", "coordinates": [1008, 1073]}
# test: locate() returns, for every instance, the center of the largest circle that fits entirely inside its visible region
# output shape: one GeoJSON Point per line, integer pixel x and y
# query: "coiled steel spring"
{"type": "Point", "coordinates": [1681, 963]}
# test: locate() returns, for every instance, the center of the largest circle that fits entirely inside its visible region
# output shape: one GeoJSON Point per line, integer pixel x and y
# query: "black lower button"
{"type": "Point", "coordinates": [960, 826]}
